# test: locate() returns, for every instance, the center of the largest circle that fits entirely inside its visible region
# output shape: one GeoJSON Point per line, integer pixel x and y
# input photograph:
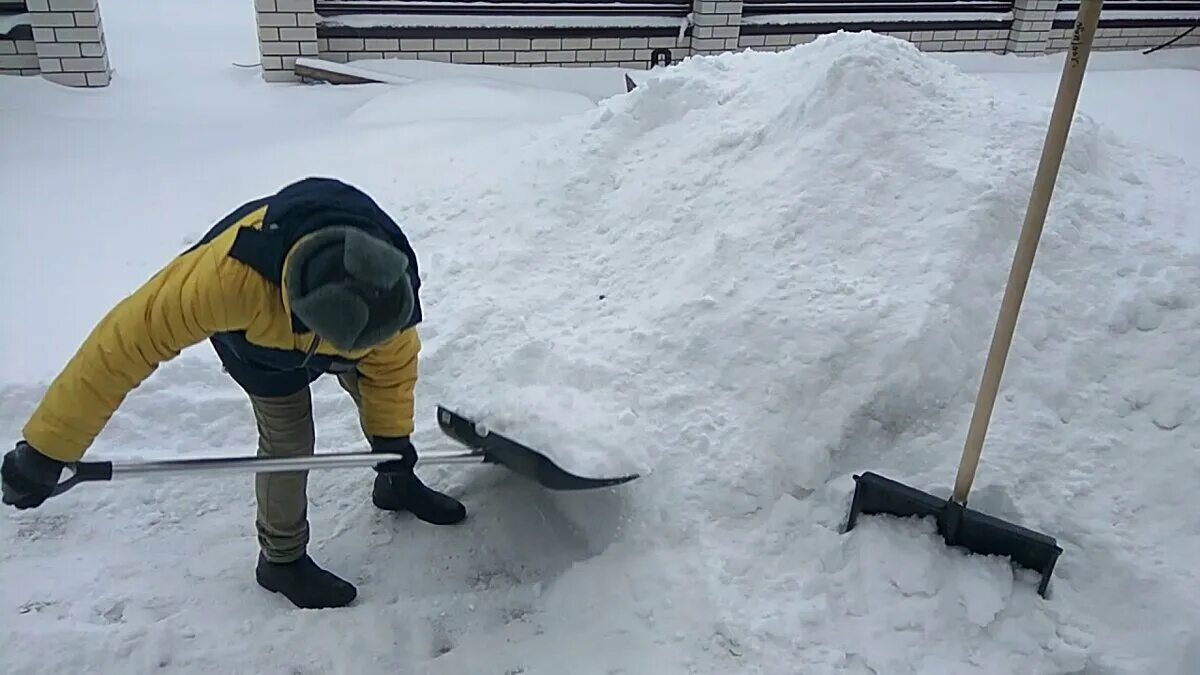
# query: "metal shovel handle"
{"type": "Point", "coordinates": [83, 472]}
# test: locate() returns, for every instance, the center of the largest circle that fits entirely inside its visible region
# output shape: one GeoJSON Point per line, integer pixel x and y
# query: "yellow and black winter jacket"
{"type": "Point", "coordinates": [229, 288]}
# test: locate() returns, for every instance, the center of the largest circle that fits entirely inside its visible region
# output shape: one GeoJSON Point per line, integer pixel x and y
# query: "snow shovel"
{"type": "Point", "coordinates": [481, 449]}
{"type": "Point", "coordinates": [958, 525]}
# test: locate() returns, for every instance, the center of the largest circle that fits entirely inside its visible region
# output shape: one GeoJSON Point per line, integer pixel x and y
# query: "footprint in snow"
{"type": "Point", "coordinates": [1169, 412]}
{"type": "Point", "coordinates": [442, 642]}
{"type": "Point", "coordinates": [116, 613]}
{"type": "Point", "coordinates": [43, 527]}
{"type": "Point", "coordinates": [34, 606]}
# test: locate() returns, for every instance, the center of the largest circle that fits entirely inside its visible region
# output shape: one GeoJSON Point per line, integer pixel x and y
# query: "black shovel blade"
{"type": "Point", "coordinates": [517, 457]}
{"type": "Point", "coordinates": [958, 525]}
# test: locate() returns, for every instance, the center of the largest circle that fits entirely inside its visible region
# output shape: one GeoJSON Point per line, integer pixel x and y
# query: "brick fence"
{"type": "Point", "coordinates": [645, 33]}
{"type": "Point", "coordinates": [62, 40]}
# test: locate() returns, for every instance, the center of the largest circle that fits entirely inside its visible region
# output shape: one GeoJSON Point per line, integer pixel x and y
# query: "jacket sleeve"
{"type": "Point", "coordinates": [387, 380]}
{"type": "Point", "coordinates": [195, 295]}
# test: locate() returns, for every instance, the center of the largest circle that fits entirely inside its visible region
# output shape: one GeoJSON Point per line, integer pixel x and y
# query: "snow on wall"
{"type": "Point", "coordinates": [929, 41]}
{"type": "Point", "coordinates": [575, 51]}
{"type": "Point", "coordinates": [882, 17]}
{"type": "Point", "coordinates": [10, 21]}
{"type": "Point", "coordinates": [498, 21]}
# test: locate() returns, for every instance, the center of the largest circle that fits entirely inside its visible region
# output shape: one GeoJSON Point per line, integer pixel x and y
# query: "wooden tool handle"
{"type": "Point", "coordinates": [1086, 21]}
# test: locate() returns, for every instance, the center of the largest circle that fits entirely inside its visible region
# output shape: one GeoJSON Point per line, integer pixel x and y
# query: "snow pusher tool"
{"type": "Point", "coordinates": [958, 525]}
{"type": "Point", "coordinates": [481, 448]}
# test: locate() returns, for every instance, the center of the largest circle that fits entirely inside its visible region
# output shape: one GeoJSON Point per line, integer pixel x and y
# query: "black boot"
{"type": "Point", "coordinates": [305, 584]}
{"type": "Point", "coordinates": [397, 488]}
{"type": "Point", "coordinates": [406, 492]}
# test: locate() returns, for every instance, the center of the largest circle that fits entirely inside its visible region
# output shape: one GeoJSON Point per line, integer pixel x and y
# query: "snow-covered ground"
{"type": "Point", "coordinates": [751, 278]}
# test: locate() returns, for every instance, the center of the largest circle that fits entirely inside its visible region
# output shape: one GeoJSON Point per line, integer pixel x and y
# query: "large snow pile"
{"type": "Point", "coordinates": [750, 278]}
{"type": "Point", "coordinates": [766, 272]}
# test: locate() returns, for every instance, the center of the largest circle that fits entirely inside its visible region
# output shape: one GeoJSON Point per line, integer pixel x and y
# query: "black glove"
{"type": "Point", "coordinates": [28, 476]}
{"type": "Point", "coordinates": [399, 445]}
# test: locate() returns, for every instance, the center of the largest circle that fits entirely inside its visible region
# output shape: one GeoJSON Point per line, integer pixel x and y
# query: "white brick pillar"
{"type": "Point", "coordinates": [1032, 21]}
{"type": "Point", "coordinates": [69, 39]}
{"type": "Point", "coordinates": [717, 26]}
{"type": "Point", "coordinates": [287, 30]}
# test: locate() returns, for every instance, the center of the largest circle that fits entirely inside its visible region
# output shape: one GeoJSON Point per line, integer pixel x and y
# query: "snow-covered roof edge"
{"type": "Point", "coordinates": [497, 21]}
{"type": "Point", "coordinates": [876, 17]}
{"type": "Point", "coordinates": [11, 21]}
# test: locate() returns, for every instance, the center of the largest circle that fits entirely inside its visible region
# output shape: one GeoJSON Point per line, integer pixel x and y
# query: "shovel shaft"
{"type": "Point", "coordinates": [1069, 85]}
{"type": "Point", "coordinates": [480, 449]}
{"type": "Point", "coordinates": [280, 464]}
{"type": "Point", "coordinates": [83, 472]}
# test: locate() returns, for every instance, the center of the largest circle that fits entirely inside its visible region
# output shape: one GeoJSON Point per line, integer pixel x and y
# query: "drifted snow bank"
{"type": "Point", "coordinates": [758, 274]}
{"type": "Point", "coordinates": [752, 277]}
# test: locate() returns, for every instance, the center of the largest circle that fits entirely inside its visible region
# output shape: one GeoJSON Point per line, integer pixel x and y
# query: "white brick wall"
{"type": "Point", "coordinates": [69, 42]}
{"type": "Point", "coordinates": [776, 42]}
{"type": "Point", "coordinates": [18, 57]}
{"type": "Point", "coordinates": [1110, 39]}
{"type": "Point", "coordinates": [287, 30]}
{"type": "Point", "coordinates": [930, 41]}
{"type": "Point", "coordinates": [717, 26]}
{"type": "Point", "coordinates": [1000, 41]}
{"type": "Point", "coordinates": [962, 40]}
{"type": "Point", "coordinates": [1032, 21]}
{"type": "Point", "coordinates": [626, 52]}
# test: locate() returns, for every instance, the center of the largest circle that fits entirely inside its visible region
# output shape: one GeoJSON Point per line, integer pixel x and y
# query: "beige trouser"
{"type": "Point", "coordinates": [285, 429]}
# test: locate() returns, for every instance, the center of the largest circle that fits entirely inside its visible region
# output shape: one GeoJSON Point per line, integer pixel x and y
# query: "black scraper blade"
{"type": "Point", "coordinates": [960, 526]}
{"type": "Point", "coordinates": [518, 457]}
